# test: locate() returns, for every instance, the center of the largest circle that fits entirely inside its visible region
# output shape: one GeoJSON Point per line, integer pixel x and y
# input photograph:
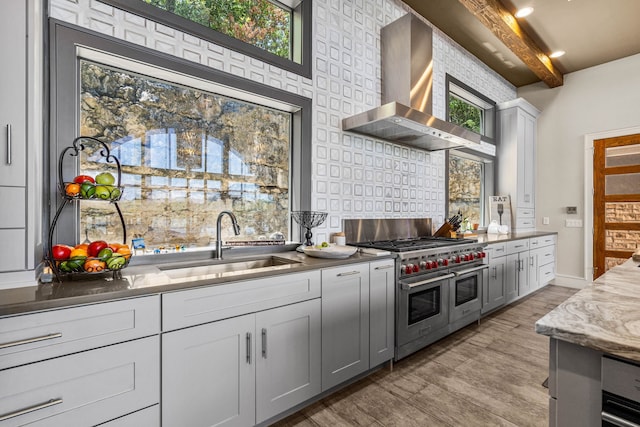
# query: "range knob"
{"type": "Point", "coordinates": [457, 259]}
{"type": "Point", "coordinates": [427, 265]}
{"type": "Point", "coordinates": [423, 265]}
{"type": "Point", "coordinates": [404, 269]}
{"type": "Point", "coordinates": [416, 268]}
{"type": "Point", "coordinates": [466, 257]}
{"type": "Point", "coordinates": [434, 264]}
{"type": "Point", "coordinates": [445, 262]}
{"type": "Point", "coordinates": [482, 254]}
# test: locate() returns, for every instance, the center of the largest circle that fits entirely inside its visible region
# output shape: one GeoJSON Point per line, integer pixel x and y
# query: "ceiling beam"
{"type": "Point", "coordinates": [493, 15]}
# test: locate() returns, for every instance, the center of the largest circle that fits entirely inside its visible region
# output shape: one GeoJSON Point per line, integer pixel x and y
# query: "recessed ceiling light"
{"type": "Point", "coordinates": [525, 11]}
{"type": "Point", "coordinates": [557, 54]}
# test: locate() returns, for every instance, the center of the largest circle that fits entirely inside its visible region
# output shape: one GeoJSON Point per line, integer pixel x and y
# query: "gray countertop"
{"type": "Point", "coordinates": [604, 316]}
{"type": "Point", "coordinates": [146, 280]}
{"type": "Point", "coordinates": [496, 238]}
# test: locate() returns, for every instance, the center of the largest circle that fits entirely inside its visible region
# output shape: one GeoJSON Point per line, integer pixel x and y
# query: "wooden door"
{"type": "Point", "coordinates": [616, 201]}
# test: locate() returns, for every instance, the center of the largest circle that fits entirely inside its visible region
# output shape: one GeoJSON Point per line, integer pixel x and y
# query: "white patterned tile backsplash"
{"type": "Point", "coordinates": [352, 176]}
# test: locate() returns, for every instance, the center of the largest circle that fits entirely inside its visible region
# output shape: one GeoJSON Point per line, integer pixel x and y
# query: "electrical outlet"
{"type": "Point", "coordinates": [545, 220]}
{"type": "Point", "coordinates": [573, 223]}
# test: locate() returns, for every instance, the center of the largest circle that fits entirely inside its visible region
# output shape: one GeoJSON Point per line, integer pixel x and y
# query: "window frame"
{"type": "Point", "coordinates": [475, 98]}
{"type": "Point", "coordinates": [65, 52]}
{"type": "Point", "coordinates": [300, 33]}
{"type": "Point", "coordinates": [488, 180]}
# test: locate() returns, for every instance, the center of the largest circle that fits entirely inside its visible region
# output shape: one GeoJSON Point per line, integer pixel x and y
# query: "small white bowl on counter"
{"type": "Point", "coordinates": [331, 251]}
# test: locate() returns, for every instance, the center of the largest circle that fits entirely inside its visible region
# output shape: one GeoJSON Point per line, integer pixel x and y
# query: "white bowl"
{"type": "Point", "coordinates": [331, 251]}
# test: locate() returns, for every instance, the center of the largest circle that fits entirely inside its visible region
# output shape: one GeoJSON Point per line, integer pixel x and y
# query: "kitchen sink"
{"type": "Point", "coordinates": [226, 268]}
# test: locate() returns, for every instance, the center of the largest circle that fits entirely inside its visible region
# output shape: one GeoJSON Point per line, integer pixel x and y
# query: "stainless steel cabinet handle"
{"type": "Point", "coordinates": [30, 340]}
{"type": "Point", "coordinates": [531, 261]}
{"type": "Point", "coordinates": [348, 273]}
{"type": "Point", "coordinates": [407, 286]}
{"type": "Point", "coordinates": [495, 272]}
{"type": "Point", "coordinates": [264, 343]}
{"type": "Point", "coordinates": [617, 421]}
{"type": "Point", "coordinates": [9, 144]}
{"type": "Point", "coordinates": [384, 267]}
{"type": "Point", "coordinates": [31, 409]}
{"type": "Point", "coordinates": [249, 348]}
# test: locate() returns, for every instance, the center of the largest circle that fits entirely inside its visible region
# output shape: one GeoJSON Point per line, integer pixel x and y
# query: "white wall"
{"type": "Point", "coordinates": [352, 176]}
{"type": "Point", "coordinates": [598, 99]}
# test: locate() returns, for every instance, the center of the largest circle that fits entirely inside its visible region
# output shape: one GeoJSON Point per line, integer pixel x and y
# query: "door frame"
{"type": "Point", "coordinates": [588, 191]}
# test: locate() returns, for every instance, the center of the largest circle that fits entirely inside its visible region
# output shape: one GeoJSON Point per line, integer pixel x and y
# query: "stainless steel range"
{"type": "Point", "coordinates": [438, 280]}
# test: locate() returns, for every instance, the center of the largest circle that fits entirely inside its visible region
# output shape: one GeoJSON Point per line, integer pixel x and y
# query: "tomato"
{"type": "Point", "coordinates": [95, 247]}
{"type": "Point", "coordinates": [60, 252]}
{"type": "Point", "coordinates": [83, 178]}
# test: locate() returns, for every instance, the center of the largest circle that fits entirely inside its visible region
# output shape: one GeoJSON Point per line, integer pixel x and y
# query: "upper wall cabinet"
{"type": "Point", "coordinates": [516, 159]}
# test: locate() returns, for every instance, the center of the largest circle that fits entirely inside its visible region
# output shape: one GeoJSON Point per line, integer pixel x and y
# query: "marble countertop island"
{"type": "Point", "coordinates": [604, 316]}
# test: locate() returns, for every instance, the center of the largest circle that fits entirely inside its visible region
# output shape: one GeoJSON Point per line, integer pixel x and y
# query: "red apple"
{"type": "Point", "coordinates": [95, 247]}
{"type": "Point", "coordinates": [60, 252]}
{"type": "Point", "coordinates": [83, 178]}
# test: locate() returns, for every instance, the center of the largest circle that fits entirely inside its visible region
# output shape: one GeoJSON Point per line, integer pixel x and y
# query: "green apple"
{"type": "Point", "coordinates": [105, 178]}
{"type": "Point", "coordinates": [102, 192]}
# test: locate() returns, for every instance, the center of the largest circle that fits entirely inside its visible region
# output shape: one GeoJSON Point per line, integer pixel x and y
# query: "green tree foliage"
{"type": "Point", "coordinates": [257, 22]}
{"type": "Point", "coordinates": [465, 114]}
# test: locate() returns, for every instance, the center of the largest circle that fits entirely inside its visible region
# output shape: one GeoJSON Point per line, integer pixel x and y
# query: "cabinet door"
{"type": "Point", "coordinates": [208, 374]}
{"type": "Point", "coordinates": [534, 276]}
{"type": "Point", "coordinates": [495, 290]}
{"type": "Point", "coordinates": [13, 88]}
{"type": "Point", "coordinates": [288, 359]}
{"type": "Point", "coordinates": [345, 323]}
{"type": "Point", "coordinates": [524, 285]}
{"type": "Point", "coordinates": [13, 257]}
{"type": "Point", "coordinates": [381, 311]}
{"type": "Point", "coordinates": [512, 269]}
{"type": "Point", "coordinates": [528, 185]}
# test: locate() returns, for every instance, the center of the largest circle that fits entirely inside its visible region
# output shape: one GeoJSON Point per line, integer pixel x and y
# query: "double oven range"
{"type": "Point", "coordinates": [438, 280]}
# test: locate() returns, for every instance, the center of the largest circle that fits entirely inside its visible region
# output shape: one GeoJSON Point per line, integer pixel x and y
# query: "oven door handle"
{"type": "Point", "coordinates": [471, 270]}
{"type": "Point", "coordinates": [617, 421]}
{"type": "Point", "coordinates": [407, 286]}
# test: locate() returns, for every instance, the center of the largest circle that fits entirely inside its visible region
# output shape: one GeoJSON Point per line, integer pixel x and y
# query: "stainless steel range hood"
{"type": "Point", "coordinates": [407, 83]}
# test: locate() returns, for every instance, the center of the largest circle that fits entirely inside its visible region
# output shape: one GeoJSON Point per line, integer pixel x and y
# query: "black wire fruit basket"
{"type": "Point", "coordinates": [309, 220]}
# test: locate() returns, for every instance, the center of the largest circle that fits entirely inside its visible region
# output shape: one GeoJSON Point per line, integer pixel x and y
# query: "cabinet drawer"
{"type": "Point", "coordinates": [516, 246]}
{"type": "Point", "coordinates": [547, 273]}
{"type": "Point", "coordinates": [543, 241]}
{"type": "Point", "coordinates": [32, 337]}
{"type": "Point", "coordinates": [83, 389]}
{"type": "Point", "coordinates": [13, 257]}
{"type": "Point", "coordinates": [525, 213]}
{"type": "Point", "coordinates": [12, 214]}
{"type": "Point", "coordinates": [525, 223]}
{"type": "Point", "coordinates": [546, 255]}
{"type": "Point", "coordinates": [495, 250]}
{"type": "Point", "coordinates": [621, 378]}
{"type": "Point", "coordinates": [196, 306]}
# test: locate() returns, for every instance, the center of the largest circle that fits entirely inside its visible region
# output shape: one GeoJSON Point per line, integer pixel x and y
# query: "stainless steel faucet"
{"type": "Point", "coordinates": [236, 229]}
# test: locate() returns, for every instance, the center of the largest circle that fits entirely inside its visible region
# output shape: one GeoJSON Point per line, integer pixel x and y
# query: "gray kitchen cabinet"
{"type": "Point", "coordinates": [516, 172]}
{"type": "Point", "coordinates": [345, 323]}
{"type": "Point", "coordinates": [544, 250]}
{"type": "Point", "coordinates": [517, 270]}
{"type": "Point", "coordinates": [494, 294]}
{"type": "Point", "coordinates": [208, 374]}
{"type": "Point", "coordinates": [288, 363]}
{"type": "Point", "coordinates": [13, 138]}
{"type": "Point", "coordinates": [82, 365]}
{"type": "Point", "coordinates": [241, 352]}
{"type": "Point", "coordinates": [381, 311]}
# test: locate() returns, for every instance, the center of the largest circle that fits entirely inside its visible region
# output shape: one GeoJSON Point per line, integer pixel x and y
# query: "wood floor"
{"type": "Point", "coordinates": [486, 375]}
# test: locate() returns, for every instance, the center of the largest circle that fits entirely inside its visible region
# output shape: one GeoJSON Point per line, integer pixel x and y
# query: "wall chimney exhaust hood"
{"type": "Point", "coordinates": [407, 82]}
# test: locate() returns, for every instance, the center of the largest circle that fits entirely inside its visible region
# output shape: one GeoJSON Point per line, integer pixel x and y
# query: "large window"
{"type": "Point", "coordinates": [191, 143]}
{"type": "Point", "coordinates": [277, 32]}
{"type": "Point", "coordinates": [466, 187]}
{"type": "Point", "coordinates": [470, 109]}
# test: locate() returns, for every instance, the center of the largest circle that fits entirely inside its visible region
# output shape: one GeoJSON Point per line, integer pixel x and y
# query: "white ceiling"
{"type": "Point", "coordinates": [591, 32]}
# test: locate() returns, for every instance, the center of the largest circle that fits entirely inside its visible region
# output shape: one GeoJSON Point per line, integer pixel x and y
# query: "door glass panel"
{"type": "Point", "coordinates": [627, 155]}
{"type": "Point", "coordinates": [466, 289]}
{"type": "Point", "coordinates": [609, 262]}
{"type": "Point", "coordinates": [622, 212]}
{"type": "Point", "coordinates": [621, 240]}
{"type": "Point", "coordinates": [627, 183]}
{"type": "Point", "coordinates": [423, 305]}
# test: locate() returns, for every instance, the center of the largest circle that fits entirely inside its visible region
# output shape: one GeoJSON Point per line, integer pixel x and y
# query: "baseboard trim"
{"type": "Point", "coordinates": [570, 281]}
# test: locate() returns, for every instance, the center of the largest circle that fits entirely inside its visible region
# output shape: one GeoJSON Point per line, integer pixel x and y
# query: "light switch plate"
{"type": "Point", "coordinates": [573, 223]}
{"type": "Point", "coordinates": [545, 220]}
